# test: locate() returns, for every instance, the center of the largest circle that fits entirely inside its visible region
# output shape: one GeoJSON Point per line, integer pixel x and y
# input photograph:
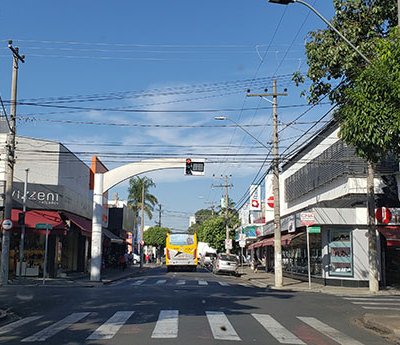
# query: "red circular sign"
{"type": "Point", "coordinates": [255, 203]}
{"type": "Point", "coordinates": [270, 202]}
{"type": "Point", "coordinates": [383, 215]}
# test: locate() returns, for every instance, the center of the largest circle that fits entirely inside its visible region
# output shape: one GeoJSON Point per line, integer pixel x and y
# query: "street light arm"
{"type": "Point", "coordinates": [222, 118]}
{"type": "Point", "coordinates": [286, 2]}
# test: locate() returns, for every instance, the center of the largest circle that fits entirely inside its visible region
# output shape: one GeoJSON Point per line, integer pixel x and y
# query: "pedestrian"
{"type": "Point", "coordinates": [122, 262]}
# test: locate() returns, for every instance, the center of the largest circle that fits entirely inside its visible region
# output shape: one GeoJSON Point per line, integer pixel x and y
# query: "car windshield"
{"type": "Point", "coordinates": [227, 257]}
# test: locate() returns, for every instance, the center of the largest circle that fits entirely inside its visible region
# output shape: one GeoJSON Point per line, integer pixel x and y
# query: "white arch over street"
{"type": "Point", "coordinates": [104, 182]}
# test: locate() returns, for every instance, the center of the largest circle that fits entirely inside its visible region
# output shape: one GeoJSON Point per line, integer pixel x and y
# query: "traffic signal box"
{"type": "Point", "coordinates": [188, 167]}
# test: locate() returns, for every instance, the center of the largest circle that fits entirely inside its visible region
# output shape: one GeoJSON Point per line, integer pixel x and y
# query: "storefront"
{"type": "Point", "coordinates": [390, 242]}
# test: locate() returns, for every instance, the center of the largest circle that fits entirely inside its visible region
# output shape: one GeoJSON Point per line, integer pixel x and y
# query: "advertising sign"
{"type": "Point", "coordinates": [255, 198]}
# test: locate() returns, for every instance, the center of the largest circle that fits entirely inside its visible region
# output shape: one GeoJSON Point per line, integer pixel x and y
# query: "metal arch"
{"type": "Point", "coordinates": [115, 176]}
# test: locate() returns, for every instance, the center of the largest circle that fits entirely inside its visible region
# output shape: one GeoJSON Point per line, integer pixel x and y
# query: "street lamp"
{"type": "Point", "coordinates": [286, 2]}
{"type": "Point", "coordinates": [226, 118]}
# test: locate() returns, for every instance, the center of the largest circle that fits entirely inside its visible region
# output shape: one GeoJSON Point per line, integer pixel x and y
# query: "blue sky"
{"type": "Point", "coordinates": [128, 80]}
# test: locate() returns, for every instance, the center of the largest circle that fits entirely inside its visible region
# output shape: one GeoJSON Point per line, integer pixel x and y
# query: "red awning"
{"type": "Point", "coordinates": [34, 217]}
{"type": "Point", "coordinates": [85, 225]}
{"type": "Point", "coordinates": [285, 240]}
{"type": "Point", "coordinates": [392, 235]}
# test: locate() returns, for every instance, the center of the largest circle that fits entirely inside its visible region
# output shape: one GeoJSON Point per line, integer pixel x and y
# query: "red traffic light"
{"type": "Point", "coordinates": [188, 161]}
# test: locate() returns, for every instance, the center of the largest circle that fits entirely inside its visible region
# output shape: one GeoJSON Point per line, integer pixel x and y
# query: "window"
{"type": "Point", "coordinates": [340, 253]}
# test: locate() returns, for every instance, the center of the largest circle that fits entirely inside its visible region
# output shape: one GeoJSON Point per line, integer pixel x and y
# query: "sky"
{"type": "Point", "coordinates": [131, 80]}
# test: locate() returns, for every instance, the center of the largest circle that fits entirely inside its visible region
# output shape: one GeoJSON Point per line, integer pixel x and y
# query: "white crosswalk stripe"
{"type": "Point", "coordinates": [330, 332]}
{"type": "Point", "coordinates": [138, 282]}
{"type": "Point", "coordinates": [376, 303]}
{"type": "Point", "coordinates": [181, 282]}
{"type": "Point", "coordinates": [55, 328]}
{"type": "Point", "coordinates": [161, 281]}
{"type": "Point", "coordinates": [14, 325]}
{"type": "Point", "coordinates": [221, 328]}
{"type": "Point", "coordinates": [279, 332]}
{"type": "Point", "coordinates": [202, 282]}
{"type": "Point", "coordinates": [108, 329]}
{"type": "Point", "coordinates": [224, 284]}
{"type": "Point", "coordinates": [167, 324]}
{"type": "Point", "coordinates": [166, 327]}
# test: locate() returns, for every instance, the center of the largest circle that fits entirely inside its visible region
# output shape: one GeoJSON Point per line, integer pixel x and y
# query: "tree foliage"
{"type": "Point", "coordinates": [370, 118]}
{"type": "Point", "coordinates": [213, 232]}
{"type": "Point", "coordinates": [333, 64]}
{"type": "Point", "coordinates": [155, 236]}
{"type": "Point", "coordinates": [136, 184]}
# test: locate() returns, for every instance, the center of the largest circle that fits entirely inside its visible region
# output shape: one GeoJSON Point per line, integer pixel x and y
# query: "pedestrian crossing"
{"type": "Point", "coordinates": [179, 282]}
{"type": "Point", "coordinates": [376, 302]}
{"type": "Point", "coordinates": [166, 326]}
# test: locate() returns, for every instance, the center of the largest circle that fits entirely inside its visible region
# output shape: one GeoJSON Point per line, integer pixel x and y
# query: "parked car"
{"type": "Point", "coordinates": [134, 258]}
{"type": "Point", "coordinates": [226, 263]}
{"type": "Point", "coordinates": [208, 259]}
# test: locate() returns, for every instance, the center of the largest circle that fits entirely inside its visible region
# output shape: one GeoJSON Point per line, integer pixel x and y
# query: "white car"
{"type": "Point", "coordinates": [226, 263]}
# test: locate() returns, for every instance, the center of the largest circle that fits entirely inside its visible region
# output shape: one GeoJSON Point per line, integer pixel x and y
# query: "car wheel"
{"type": "Point", "coordinates": [135, 262]}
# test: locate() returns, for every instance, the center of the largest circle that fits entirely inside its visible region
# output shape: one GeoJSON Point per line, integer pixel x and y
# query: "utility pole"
{"type": "Point", "coordinates": [159, 215]}
{"type": "Point", "coordinates": [275, 167]}
{"type": "Point", "coordinates": [141, 244]}
{"type": "Point", "coordinates": [226, 185]}
{"type": "Point", "coordinates": [9, 164]}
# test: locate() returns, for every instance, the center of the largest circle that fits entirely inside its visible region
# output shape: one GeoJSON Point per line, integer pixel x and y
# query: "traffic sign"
{"type": "Point", "coordinates": [43, 226]}
{"type": "Point", "coordinates": [7, 224]}
{"type": "Point", "coordinates": [228, 244]}
{"type": "Point", "coordinates": [270, 201]}
{"type": "Point", "coordinates": [383, 215]}
{"type": "Point", "coordinates": [314, 229]}
{"type": "Point", "coordinates": [242, 243]}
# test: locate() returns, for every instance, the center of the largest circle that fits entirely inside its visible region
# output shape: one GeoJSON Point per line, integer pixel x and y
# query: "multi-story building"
{"type": "Point", "coordinates": [326, 181]}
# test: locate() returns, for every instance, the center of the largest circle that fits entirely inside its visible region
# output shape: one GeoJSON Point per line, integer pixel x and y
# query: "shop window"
{"type": "Point", "coordinates": [340, 253]}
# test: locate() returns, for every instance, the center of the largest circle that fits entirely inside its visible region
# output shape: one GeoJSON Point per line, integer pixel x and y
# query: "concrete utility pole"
{"type": "Point", "coordinates": [22, 240]}
{"type": "Point", "coordinates": [159, 215]}
{"type": "Point", "coordinates": [226, 185]}
{"type": "Point", "coordinates": [142, 226]}
{"type": "Point", "coordinates": [9, 167]}
{"type": "Point", "coordinates": [275, 167]}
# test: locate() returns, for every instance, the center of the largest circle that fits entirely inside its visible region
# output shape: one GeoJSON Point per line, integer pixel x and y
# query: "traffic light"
{"type": "Point", "coordinates": [188, 167]}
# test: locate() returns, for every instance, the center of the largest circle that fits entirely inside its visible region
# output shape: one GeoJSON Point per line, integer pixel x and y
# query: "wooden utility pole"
{"type": "Point", "coordinates": [9, 164]}
{"type": "Point", "coordinates": [275, 167]}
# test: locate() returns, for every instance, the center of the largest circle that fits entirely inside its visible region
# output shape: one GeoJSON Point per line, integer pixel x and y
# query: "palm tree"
{"type": "Point", "coordinates": [136, 186]}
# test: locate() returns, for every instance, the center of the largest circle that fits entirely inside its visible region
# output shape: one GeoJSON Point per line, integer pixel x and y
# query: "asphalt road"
{"type": "Point", "coordinates": [195, 308]}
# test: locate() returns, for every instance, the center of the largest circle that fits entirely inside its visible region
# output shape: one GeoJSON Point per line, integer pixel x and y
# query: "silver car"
{"type": "Point", "coordinates": [226, 263]}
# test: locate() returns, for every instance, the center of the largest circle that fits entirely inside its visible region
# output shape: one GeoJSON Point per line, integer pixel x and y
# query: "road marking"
{"type": "Point", "coordinates": [167, 324]}
{"type": "Point", "coordinates": [202, 282]}
{"type": "Point", "coordinates": [108, 329]}
{"type": "Point", "coordinates": [221, 328]}
{"type": "Point", "coordinates": [56, 327]}
{"type": "Point", "coordinates": [279, 332]}
{"type": "Point", "coordinates": [161, 281]}
{"type": "Point", "coordinates": [373, 299]}
{"type": "Point", "coordinates": [181, 282]}
{"type": "Point", "coordinates": [223, 283]}
{"type": "Point", "coordinates": [381, 308]}
{"type": "Point", "coordinates": [16, 324]}
{"type": "Point", "coordinates": [330, 332]}
{"type": "Point", "coordinates": [376, 303]}
{"type": "Point", "coordinates": [138, 282]}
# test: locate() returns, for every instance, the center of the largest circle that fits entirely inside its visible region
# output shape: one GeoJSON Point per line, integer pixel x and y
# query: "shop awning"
{"type": "Point", "coordinates": [285, 240]}
{"type": "Point", "coordinates": [113, 238]}
{"type": "Point", "coordinates": [85, 225]}
{"type": "Point", "coordinates": [34, 217]}
{"type": "Point", "coordinates": [392, 235]}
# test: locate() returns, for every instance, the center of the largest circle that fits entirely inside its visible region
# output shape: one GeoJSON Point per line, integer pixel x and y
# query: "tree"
{"type": "Point", "coordinates": [212, 231]}
{"type": "Point", "coordinates": [136, 186]}
{"type": "Point", "coordinates": [365, 23]}
{"type": "Point", "coordinates": [155, 236]}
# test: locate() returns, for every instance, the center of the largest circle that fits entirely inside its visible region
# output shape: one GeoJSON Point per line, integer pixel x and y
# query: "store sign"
{"type": "Point", "coordinates": [255, 198]}
{"type": "Point", "coordinates": [387, 216]}
{"type": "Point", "coordinates": [307, 218]}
